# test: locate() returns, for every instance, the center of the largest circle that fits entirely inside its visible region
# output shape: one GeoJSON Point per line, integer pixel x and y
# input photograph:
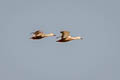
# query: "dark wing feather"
{"type": "Point", "coordinates": [65, 34]}
{"type": "Point", "coordinates": [38, 32]}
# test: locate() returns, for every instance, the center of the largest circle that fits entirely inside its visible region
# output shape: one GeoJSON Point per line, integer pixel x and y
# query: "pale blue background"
{"type": "Point", "coordinates": [97, 57]}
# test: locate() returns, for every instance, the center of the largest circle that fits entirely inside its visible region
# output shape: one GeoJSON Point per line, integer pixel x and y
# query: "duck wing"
{"type": "Point", "coordinates": [38, 33]}
{"type": "Point", "coordinates": [65, 34]}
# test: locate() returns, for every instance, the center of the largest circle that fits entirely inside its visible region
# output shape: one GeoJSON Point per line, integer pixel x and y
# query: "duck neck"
{"type": "Point", "coordinates": [74, 38]}
{"type": "Point", "coordinates": [47, 35]}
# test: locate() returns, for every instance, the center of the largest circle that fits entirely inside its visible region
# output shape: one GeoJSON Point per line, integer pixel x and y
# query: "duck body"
{"type": "Point", "coordinates": [36, 37]}
{"type": "Point", "coordinates": [65, 39]}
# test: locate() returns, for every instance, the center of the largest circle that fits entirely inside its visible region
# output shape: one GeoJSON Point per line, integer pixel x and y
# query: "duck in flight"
{"type": "Point", "coordinates": [39, 35]}
{"type": "Point", "coordinates": [65, 37]}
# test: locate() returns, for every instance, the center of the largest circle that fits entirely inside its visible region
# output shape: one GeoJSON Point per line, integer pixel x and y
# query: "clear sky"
{"type": "Point", "coordinates": [97, 57]}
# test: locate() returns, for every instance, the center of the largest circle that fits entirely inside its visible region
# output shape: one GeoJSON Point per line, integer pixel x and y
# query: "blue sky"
{"type": "Point", "coordinates": [94, 58]}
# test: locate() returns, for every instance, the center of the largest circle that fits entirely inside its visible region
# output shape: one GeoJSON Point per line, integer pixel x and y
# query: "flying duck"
{"type": "Point", "coordinates": [65, 37]}
{"type": "Point", "coordinates": [39, 35]}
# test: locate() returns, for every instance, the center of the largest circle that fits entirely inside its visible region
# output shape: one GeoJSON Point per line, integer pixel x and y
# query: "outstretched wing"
{"type": "Point", "coordinates": [65, 34]}
{"type": "Point", "coordinates": [38, 33]}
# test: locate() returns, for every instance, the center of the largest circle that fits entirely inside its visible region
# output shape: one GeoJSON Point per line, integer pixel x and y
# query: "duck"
{"type": "Point", "coordinates": [39, 35]}
{"type": "Point", "coordinates": [65, 37]}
